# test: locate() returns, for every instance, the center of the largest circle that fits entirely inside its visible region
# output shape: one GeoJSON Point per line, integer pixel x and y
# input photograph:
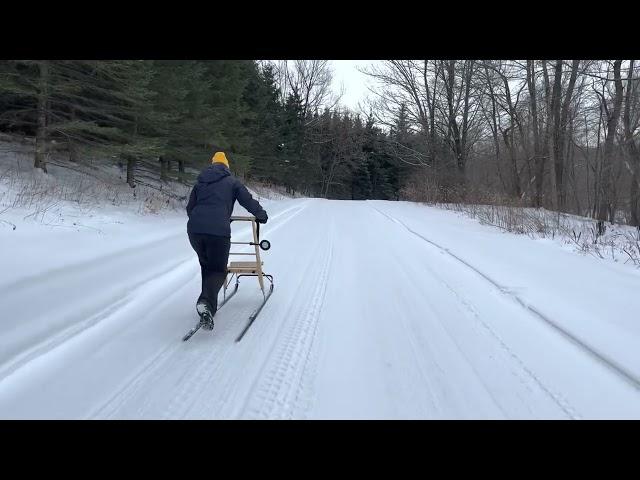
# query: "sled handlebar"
{"type": "Point", "coordinates": [264, 244]}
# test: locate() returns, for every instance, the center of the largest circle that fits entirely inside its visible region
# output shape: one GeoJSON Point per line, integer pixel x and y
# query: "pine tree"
{"type": "Point", "coordinates": [362, 188]}
{"type": "Point", "coordinates": [266, 126]}
{"type": "Point", "coordinates": [184, 118]}
{"type": "Point", "coordinates": [292, 141]}
{"type": "Point", "coordinates": [229, 80]}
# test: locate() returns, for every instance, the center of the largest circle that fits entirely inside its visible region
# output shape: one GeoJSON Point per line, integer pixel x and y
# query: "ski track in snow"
{"type": "Point", "coordinates": [614, 366]}
{"type": "Point", "coordinates": [198, 368]}
{"type": "Point", "coordinates": [82, 273]}
{"type": "Point", "coordinates": [115, 303]}
{"type": "Point", "coordinates": [62, 275]}
{"type": "Point", "coordinates": [363, 322]}
{"type": "Point", "coordinates": [519, 370]}
{"type": "Point", "coordinates": [234, 396]}
{"type": "Point", "coordinates": [524, 375]}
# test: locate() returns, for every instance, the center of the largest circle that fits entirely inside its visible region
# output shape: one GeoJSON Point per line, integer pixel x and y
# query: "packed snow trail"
{"type": "Point", "coordinates": [376, 313]}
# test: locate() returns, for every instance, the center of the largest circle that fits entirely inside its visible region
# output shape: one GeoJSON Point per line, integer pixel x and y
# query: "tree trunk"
{"type": "Point", "coordinates": [181, 166]}
{"type": "Point", "coordinates": [634, 192]}
{"type": "Point", "coordinates": [71, 145]}
{"type": "Point", "coordinates": [469, 65]}
{"type": "Point", "coordinates": [507, 136]}
{"type": "Point", "coordinates": [131, 165]}
{"type": "Point", "coordinates": [557, 140]}
{"type": "Point", "coordinates": [131, 160]}
{"type": "Point", "coordinates": [41, 129]}
{"type": "Point", "coordinates": [560, 112]}
{"type": "Point", "coordinates": [538, 160]}
{"type": "Point", "coordinates": [545, 150]}
{"type": "Point", "coordinates": [606, 200]}
{"type": "Point", "coordinates": [564, 116]}
{"type": "Point", "coordinates": [556, 135]}
{"type": "Point", "coordinates": [456, 131]}
{"type": "Point", "coordinates": [597, 169]}
{"type": "Point", "coordinates": [571, 154]}
{"type": "Point", "coordinates": [517, 190]}
{"type": "Point", "coordinates": [510, 141]}
{"type": "Point", "coordinates": [632, 152]}
{"type": "Point", "coordinates": [163, 169]}
{"type": "Point", "coordinates": [73, 154]}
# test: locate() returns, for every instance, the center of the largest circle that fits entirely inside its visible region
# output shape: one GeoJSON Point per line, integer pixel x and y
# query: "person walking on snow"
{"type": "Point", "coordinates": [209, 228]}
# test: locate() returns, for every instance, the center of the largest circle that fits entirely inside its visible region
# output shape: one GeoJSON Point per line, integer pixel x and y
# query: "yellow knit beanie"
{"type": "Point", "coordinates": [220, 157]}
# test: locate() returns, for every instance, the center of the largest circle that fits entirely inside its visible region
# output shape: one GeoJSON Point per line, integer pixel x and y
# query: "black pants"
{"type": "Point", "coordinates": [213, 254]}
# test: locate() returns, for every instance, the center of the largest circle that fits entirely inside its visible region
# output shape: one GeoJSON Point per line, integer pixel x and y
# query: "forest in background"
{"type": "Point", "coordinates": [557, 134]}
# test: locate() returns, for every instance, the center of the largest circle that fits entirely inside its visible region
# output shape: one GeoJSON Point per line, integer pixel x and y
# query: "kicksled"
{"type": "Point", "coordinates": [236, 270]}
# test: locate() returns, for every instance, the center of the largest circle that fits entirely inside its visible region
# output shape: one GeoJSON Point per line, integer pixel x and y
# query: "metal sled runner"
{"type": "Point", "coordinates": [245, 269]}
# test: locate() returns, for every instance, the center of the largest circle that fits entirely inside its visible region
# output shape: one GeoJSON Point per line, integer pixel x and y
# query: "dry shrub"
{"type": "Point", "coordinates": [620, 243]}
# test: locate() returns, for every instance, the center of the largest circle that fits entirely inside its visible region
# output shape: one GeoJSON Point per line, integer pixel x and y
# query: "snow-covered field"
{"type": "Point", "coordinates": [380, 310]}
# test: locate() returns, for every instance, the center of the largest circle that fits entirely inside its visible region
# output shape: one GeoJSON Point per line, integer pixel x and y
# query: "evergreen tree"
{"type": "Point", "coordinates": [149, 114]}
{"type": "Point", "coordinates": [266, 126]}
{"type": "Point", "coordinates": [292, 143]}
{"type": "Point", "coordinates": [362, 188]}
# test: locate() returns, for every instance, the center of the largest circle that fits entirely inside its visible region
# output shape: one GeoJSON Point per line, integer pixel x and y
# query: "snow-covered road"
{"type": "Point", "coordinates": [380, 310]}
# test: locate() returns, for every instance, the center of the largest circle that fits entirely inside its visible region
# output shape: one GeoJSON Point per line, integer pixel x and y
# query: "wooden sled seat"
{"type": "Point", "coordinates": [243, 267]}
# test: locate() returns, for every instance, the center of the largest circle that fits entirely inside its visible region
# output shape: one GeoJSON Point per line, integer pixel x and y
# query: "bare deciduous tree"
{"type": "Point", "coordinates": [605, 210]}
{"type": "Point", "coordinates": [309, 81]}
{"type": "Point", "coordinates": [631, 121]}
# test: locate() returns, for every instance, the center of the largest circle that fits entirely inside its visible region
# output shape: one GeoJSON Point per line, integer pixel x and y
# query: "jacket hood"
{"type": "Point", "coordinates": [213, 173]}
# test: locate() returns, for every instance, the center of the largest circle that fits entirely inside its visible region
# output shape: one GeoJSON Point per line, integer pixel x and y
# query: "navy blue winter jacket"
{"type": "Point", "coordinates": [211, 202]}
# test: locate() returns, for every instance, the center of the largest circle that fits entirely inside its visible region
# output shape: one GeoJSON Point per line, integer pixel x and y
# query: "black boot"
{"type": "Point", "coordinates": [206, 314]}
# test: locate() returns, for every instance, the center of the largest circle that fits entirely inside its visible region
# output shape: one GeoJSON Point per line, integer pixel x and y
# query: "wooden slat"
{"type": "Point", "coordinates": [244, 264]}
{"type": "Point", "coordinates": [243, 267]}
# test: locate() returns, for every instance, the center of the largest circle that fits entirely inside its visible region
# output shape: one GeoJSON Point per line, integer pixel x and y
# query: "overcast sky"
{"type": "Point", "coordinates": [355, 83]}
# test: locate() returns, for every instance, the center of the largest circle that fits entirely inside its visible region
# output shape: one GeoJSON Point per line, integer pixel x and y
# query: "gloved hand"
{"type": "Point", "coordinates": [263, 220]}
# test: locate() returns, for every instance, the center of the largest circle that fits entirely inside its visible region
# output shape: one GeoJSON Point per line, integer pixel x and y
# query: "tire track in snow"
{"type": "Point", "coordinates": [280, 395]}
{"type": "Point", "coordinates": [603, 359]}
